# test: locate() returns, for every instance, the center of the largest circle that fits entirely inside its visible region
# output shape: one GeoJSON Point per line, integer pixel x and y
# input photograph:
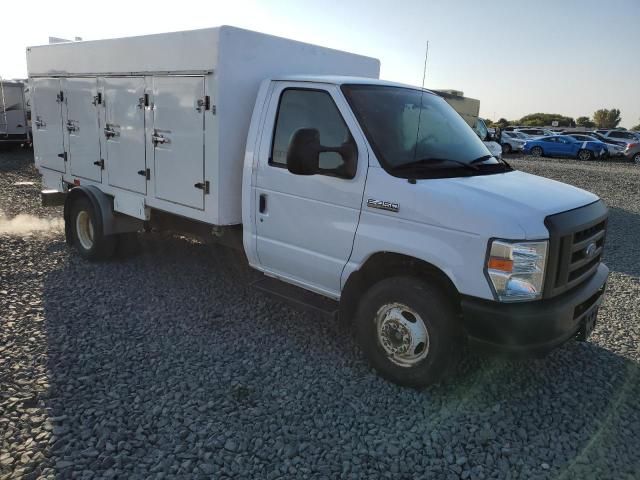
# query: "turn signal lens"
{"type": "Point", "coordinates": [502, 264]}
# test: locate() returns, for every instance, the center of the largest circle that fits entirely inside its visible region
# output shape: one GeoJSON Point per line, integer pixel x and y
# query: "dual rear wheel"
{"type": "Point", "coordinates": [86, 232]}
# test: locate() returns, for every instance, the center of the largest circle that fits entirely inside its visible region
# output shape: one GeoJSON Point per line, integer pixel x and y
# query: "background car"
{"type": "Point", "coordinates": [511, 142]}
{"type": "Point", "coordinates": [614, 148]}
{"type": "Point", "coordinates": [565, 146]}
{"type": "Point", "coordinates": [619, 135]}
{"type": "Point", "coordinates": [535, 131]}
{"type": "Point", "coordinates": [632, 152]}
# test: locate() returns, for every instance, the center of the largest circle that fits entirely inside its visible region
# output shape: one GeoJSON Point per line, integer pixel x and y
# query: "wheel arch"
{"type": "Point", "coordinates": [112, 222]}
{"type": "Point", "coordinates": [382, 265]}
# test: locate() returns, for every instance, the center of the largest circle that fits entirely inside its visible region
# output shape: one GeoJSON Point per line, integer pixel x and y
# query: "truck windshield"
{"type": "Point", "coordinates": [406, 127]}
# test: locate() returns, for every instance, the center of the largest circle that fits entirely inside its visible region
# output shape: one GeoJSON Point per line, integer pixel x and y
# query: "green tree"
{"type": "Point", "coordinates": [502, 123]}
{"type": "Point", "coordinates": [604, 118]}
{"type": "Point", "coordinates": [546, 119]}
{"type": "Point", "coordinates": [585, 122]}
{"type": "Point", "coordinates": [488, 122]}
{"type": "Point", "coordinates": [637, 128]}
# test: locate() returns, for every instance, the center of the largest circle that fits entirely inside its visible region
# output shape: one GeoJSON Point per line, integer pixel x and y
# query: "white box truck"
{"type": "Point", "coordinates": [14, 121]}
{"type": "Point", "coordinates": [469, 110]}
{"type": "Point", "coordinates": [360, 197]}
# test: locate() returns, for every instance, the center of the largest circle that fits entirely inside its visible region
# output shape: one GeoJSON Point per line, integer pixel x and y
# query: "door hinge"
{"type": "Point", "coordinates": [97, 99]}
{"type": "Point", "coordinates": [146, 173]}
{"type": "Point", "coordinates": [60, 97]}
{"type": "Point", "coordinates": [213, 109]}
{"type": "Point", "coordinates": [203, 186]}
{"type": "Point", "coordinates": [99, 163]}
{"type": "Point", "coordinates": [63, 155]}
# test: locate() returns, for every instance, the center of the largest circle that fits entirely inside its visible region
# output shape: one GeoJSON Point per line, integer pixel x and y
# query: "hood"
{"type": "Point", "coordinates": [510, 205]}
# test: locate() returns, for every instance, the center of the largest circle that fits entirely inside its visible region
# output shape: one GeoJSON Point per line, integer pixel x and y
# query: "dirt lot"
{"type": "Point", "coordinates": [167, 365]}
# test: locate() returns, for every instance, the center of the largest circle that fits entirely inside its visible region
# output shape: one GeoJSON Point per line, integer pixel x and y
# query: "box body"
{"type": "Point", "coordinates": [161, 121]}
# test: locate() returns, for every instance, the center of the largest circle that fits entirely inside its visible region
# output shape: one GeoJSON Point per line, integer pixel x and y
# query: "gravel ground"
{"type": "Point", "coordinates": [167, 365]}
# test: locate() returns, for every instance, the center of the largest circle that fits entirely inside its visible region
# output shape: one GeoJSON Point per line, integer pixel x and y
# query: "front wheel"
{"type": "Point", "coordinates": [506, 148]}
{"type": "Point", "coordinates": [636, 158]}
{"type": "Point", "coordinates": [585, 155]}
{"type": "Point", "coordinates": [407, 328]}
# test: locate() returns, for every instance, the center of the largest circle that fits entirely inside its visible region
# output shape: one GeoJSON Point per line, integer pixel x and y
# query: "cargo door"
{"type": "Point", "coordinates": [124, 135]}
{"type": "Point", "coordinates": [83, 127]}
{"type": "Point", "coordinates": [48, 140]}
{"type": "Point", "coordinates": [178, 139]}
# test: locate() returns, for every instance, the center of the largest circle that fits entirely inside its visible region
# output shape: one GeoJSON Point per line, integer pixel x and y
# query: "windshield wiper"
{"type": "Point", "coordinates": [487, 157]}
{"type": "Point", "coordinates": [427, 162]}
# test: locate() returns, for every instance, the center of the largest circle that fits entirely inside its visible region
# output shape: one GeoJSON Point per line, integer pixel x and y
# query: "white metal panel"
{"type": "Point", "coordinates": [125, 147]}
{"type": "Point", "coordinates": [245, 59]}
{"type": "Point", "coordinates": [82, 127]}
{"type": "Point", "coordinates": [13, 120]}
{"type": "Point", "coordinates": [47, 124]}
{"type": "Point", "coordinates": [306, 232]}
{"type": "Point", "coordinates": [178, 128]}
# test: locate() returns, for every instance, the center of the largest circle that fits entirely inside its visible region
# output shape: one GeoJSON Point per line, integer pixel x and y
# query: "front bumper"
{"type": "Point", "coordinates": [534, 328]}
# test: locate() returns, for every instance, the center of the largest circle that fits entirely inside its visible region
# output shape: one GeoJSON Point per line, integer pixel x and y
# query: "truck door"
{"type": "Point", "coordinates": [48, 140]}
{"type": "Point", "coordinates": [306, 225]}
{"type": "Point", "coordinates": [178, 139]}
{"type": "Point", "coordinates": [124, 132]}
{"type": "Point", "coordinates": [83, 127]}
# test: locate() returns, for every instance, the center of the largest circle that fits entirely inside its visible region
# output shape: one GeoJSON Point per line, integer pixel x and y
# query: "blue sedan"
{"type": "Point", "coordinates": [565, 146]}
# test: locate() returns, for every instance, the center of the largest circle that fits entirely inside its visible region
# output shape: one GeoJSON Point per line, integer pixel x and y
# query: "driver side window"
{"type": "Point", "coordinates": [303, 108]}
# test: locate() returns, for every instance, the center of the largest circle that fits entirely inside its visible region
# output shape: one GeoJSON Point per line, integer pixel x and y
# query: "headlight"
{"type": "Point", "coordinates": [516, 269]}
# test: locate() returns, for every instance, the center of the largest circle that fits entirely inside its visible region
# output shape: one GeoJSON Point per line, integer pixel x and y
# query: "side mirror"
{"type": "Point", "coordinates": [303, 154]}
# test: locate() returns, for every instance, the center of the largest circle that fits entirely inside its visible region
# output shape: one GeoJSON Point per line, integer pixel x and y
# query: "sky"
{"type": "Point", "coordinates": [570, 57]}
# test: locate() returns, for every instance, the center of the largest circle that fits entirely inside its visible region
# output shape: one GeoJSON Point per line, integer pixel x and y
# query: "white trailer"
{"type": "Point", "coordinates": [14, 122]}
{"type": "Point", "coordinates": [351, 194]}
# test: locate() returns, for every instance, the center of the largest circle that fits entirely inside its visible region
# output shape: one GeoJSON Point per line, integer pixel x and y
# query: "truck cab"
{"type": "Point", "coordinates": [354, 186]}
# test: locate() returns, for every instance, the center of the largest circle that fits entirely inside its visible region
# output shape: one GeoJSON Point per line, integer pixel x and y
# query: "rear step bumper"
{"type": "Point", "coordinates": [52, 198]}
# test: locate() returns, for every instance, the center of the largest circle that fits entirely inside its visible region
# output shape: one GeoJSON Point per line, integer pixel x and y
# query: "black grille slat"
{"type": "Point", "coordinates": [580, 244]}
{"type": "Point", "coordinates": [570, 234]}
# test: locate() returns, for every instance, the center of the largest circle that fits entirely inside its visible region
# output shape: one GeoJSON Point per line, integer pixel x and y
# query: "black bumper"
{"type": "Point", "coordinates": [534, 328]}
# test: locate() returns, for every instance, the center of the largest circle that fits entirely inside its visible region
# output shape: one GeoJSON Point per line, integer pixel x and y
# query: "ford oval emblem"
{"type": "Point", "coordinates": [590, 251]}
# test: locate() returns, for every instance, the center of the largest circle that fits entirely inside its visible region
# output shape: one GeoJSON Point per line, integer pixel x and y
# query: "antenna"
{"type": "Point", "coordinates": [424, 76]}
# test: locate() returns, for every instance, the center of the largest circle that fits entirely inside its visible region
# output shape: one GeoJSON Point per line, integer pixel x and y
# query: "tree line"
{"type": "Point", "coordinates": [602, 118]}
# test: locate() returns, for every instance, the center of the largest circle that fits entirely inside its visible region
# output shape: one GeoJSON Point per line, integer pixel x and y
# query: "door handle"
{"type": "Point", "coordinates": [263, 203]}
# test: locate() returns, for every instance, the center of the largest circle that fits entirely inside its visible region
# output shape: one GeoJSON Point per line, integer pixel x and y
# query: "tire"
{"type": "Point", "coordinates": [537, 152]}
{"type": "Point", "coordinates": [87, 232]}
{"type": "Point", "coordinates": [585, 155]}
{"type": "Point", "coordinates": [506, 149]}
{"type": "Point", "coordinates": [408, 330]}
{"type": "Point", "coordinates": [636, 158]}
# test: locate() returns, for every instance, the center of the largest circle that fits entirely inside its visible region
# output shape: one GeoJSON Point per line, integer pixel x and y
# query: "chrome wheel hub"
{"type": "Point", "coordinates": [84, 230]}
{"type": "Point", "coordinates": [402, 334]}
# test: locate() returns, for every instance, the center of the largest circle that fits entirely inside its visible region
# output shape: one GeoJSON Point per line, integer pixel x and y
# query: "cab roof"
{"type": "Point", "coordinates": [342, 80]}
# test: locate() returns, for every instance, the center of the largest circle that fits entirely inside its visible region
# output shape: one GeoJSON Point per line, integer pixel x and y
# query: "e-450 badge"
{"type": "Point", "coordinates": [382, 205]}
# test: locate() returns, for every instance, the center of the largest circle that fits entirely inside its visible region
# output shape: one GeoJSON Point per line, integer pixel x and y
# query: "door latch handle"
{"type": "Point", "coordinates": [99, 163]}
{"type": "Point", "coordinates": [263, 203]}
{"type": "Point", "coordinates": [146, 173]}
{"type": "Point", "coordinates": [40, 123]}
{"type": "Point", "coordinates": [72, 126]}
{"type": "Point", "coordinates": [157, 138]}
{"type": "Point", "coordinates": [109, 131]}
{"type": "Point", "coordinates": [203, 186]}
